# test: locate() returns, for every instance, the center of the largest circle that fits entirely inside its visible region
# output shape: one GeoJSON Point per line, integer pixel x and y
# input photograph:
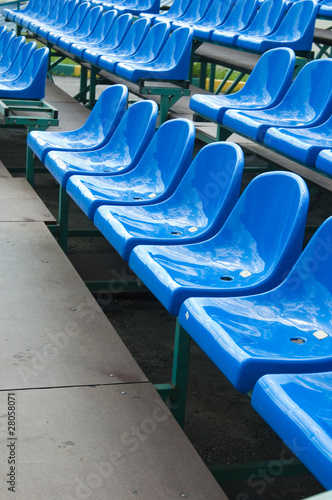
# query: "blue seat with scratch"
{"type": "Point", "coordinates": [298, 408]}
{"type": "Point", "coordinates": [61, 22]}
{"type": "Point", "coordinates": [303, 144]}
{"type": "Point", "coordinates": [20, 62]}
{"type": "Point", "coordinates": [129, 45]}
{"type": "Point", "coordinates": [120, 154]}
{"type": "Point", "coordinates": [324, 161]}
{"type": "Point", "coordinates": [195, 12]}
{"type": "Point", "coordinates": [256, 246]}
{"type": "Point", "coordinates": [172, 63]}
{"type": "Point", "coordinates": [149, 50]}
{"type": "Point", "coordinates": [285, 330]}
{"type": "Point", "coordinates": [114, 38]}
{"type": "Point", "coordinates": [94, 134]}
{"type": "Point", "coordinates": [265, 87]}
{"type": "Point", "coordinates": [214, 17]}
{"type": "Point", "coordinates": [307, 103]}
{"type": "Point", "coordinates": [32, 81]}
{"type": "Point", "coordinates": [73, 25]}
{"type": "Point", "coordinates": [239, 18]}
{"type": "Point", "coordinates": [85, 29]}
{"type": "Point", "coordinates": [154, 178]}
{"type": "Point", "coordinates": [97, 37]}
{"type": "Point", "coordinates": [295, 31]}
{"type": "Point", "coordinates": [265, 22]}
{"type": "Point", "coordinates": [196, 210]}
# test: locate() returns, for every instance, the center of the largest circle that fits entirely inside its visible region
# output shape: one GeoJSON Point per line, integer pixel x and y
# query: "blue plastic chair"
{"type": "Point", "coordinates": [10, 55]}
{"type": "Point", "coordinates": [239, 18]}
{"type": "Point", "coordinates": [129, 45]}
{"type": "Point", "coordinates": [154, 178]}
{"type": "Point", "coordinates": [62, 21]}
{"type": "Point", "coordinates": [172, 63]}
{"type": "Point", "coordinates": [324, 161]}
{"type": "Point", "coordinates": [148, 51]}
{"type": "Point", "coordinates": [256, 246]}
{"type": "Point", "coordinates": [176, 10]}
{"type": "Point", "coordinates": [285, 330]}
{"type": "Point", "coordinates": [50, 20]}
{"type": "Point", "coordinates": [136, 7]}
{"type": "Point", "coordinates": [325, 9]}
{"type": "Point", "coordinates": [120, 154]}
{"type": "Point", "coordinates": [5, 42]}
{"type": "Point", "coordinates": [295, 31]}
{"type": "Point", "coordinates": [85, 29]}
{"type": "Point", "coordinates": [97, 37]}
{"type": "Point", "coordinates": [302, 144]}
{"type": "Point", "coordinates": [42, 14]}
{"type": "Point", "coordinates": [31, 7]}
{"type": "Point", "coordinates": [114, 38]}
{"type": "Point", "coordinates": [32, 81]}
{"type": "Point", "coordinates": [195, 12]}
{"type": "Point", "coordinates": [265, 87]}
{"type": "Point", "coordinates": [196, 211]}
{"type": "Point", "coordinates": [298, 408]}
{"type": "Point", "coordinates": [73, 25]}
{"type": "Point", "coordinates": [94, 134]}
{"type": "Point", "coordinates": [265, 22]}
{"type": "Point", "coordinates": [307, 103]}
{"type": "Point", "coordinates": [215, 16]}
{"type": "Point", "coordinates": [21, 60]}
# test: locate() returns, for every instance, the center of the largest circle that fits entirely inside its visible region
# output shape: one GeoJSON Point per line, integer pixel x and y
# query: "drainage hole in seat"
{"type": "Point", "coordinates": [226, 278]}
{"type": "Point", "coordinates": [298, 340]}
{"type": "Point", "coordinates": [176, 233]}
{"type": "Point", "coordinates": [137, 198]}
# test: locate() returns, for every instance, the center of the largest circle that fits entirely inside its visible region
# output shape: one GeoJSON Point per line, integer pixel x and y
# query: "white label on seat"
{"type": "Point", "coordinates": [320, 334]}
{"type": "Point", "coordinates": [192, 229]}
{"type": "Point", "coordinates": [152, 195]}
{"type": "Point", "coordinates": [245, 273]}
{"type": "Point", "coordinates": [187, 315]}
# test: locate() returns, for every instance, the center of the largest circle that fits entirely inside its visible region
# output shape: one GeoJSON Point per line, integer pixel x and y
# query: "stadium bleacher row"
{"type": "Point", "coordinates": [230, 268]}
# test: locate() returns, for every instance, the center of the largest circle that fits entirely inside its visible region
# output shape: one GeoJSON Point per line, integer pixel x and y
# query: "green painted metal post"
{"type": "Point", "coordinates": [93, 82]}
{"type": "Point", "coordinates": [223, 133]}
{"type": "Point", "coordinates": [83, 82]}
{"type": "Point", "coordinates": [30, 166]}
{"type": "Point", "coordinates": [63, 218]}
{"type": "Point", "coordinates": [180, 373]}
{"type": "Point", "coordinates": [163, 108]}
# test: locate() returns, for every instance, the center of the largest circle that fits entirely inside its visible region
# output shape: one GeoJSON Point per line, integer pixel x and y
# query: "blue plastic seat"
{"type": "Point", "coordinates": [94, 134]}
{"type": "Point", "coordinates": [265, 87]}
{"type": "Point", "coordinates": [136, 7]}
{"type": "Point", "coordinates": [63, 20]}
{"type": "Point", "coordinates": [196, 211]}
{"type": "Point", "coordinates": [171, 64]}
{"type": "Point", "coordinates": [53, 16]}
{"type": "Point", "coordinates": [10, 55]}
{"type": "Point", "coordinates": [85, 29]}
{"type": "Point", "coordinates": [239, 18]}
{"type": "Point", "coordinates": [195, 12]}
{"type": "Point", "coordinates": [73, 25]}
{"type": "Point", "coordinates": [6, 40]}
{"type": "Point", "coordinates": [120, 154]}
{"type": "Point", "coordinates": [302, 144]}
{"type": "Point", "coordinates": [154, 178]}
{"type": "Point", "coordinates": [31, 7]}
{"type": "Point", "coordinates": [256, 246]}
{"type": "Point", "coordinates": [176, 10]}
{"type": "Point", "coordinates": [325, 9]}
{"type": "Point", "coordinates": [295, 31]}
{"type": "Point", "coordinates": [324, 161]}
{"type": "Point", "coordinates": [114, 38]}
{"type": "Point", "coordinates": [285, 330]}
{"type": "Point", "coordinates": [32, 81]}
{"type": "Point", "coordinates": [298, 408]}
{"type": "Point", "coordinates": [97, 37]}
{"type": "Point", "coordinates": [215, 16]}
{"type": "Point", "coordinates": [129, 46]}
{"type": "Point", "coordinates": [148, 51]}
{"type": "Point", "coordinates": [307, 103]}
{"type": "Point", "coordinates": [21, 60]}
{"type": "Point", "coordinates": [42, 14]}
{"type": "Point", "coordinates": [265, 22]}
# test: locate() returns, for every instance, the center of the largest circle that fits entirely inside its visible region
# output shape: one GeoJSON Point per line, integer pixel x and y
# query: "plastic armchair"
{"type": "Point", "coordinates": [149, 50]}
{"type": "Point", "coordinates": [85, 29]}
{"type": "Point", "coordinates": [73, 25]}
{"type": "Point", "coordinates": [94, 134]}
{"type": "Point", "coordinates": [98, 35]}
{"type": "Point", "coordinates": [114, 38]}
{"type": "Point", "coordinates": [307, 103]}
{"type": "Point", "coordinates": [195, 12]}
{"type": "Point", "coordinates": [215, 16]}
{"type": "Point", "coordinates": [129, 46]}
{"type": "Point", "coordinates": [239, 18]}
{"type": "Point", "coordinates": [265, 22]}
{"type": "Point", "coordinates": [256, 246]}
{"type": "Point", "coordinates": [171, 64]}
{"type": "Point", "coordinates": [295, 31]}
{"type": "Point", "coordinates": [32, 81]}
{"type": "Point", "coordinates": [20, 62]}
{"type": "Point", "coordinates": [154, 178]}
{"type": "Point", "coordinates": [324, 161]}
{"type": "Point", "coordinates": [266, 86]}
{"type": "Point", "coordinates": [298, 408]}
{"type": "Point", "coordinates": [120, 154]}
{"type": "Point", "coordinates": [197, 209]}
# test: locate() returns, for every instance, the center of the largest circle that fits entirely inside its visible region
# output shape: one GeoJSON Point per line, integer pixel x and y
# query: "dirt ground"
{"type": "Point", "coordinates": [220, 422]}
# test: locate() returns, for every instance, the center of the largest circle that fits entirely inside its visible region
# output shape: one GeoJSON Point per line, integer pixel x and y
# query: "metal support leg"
{"type": "Point", "coordinates": [63, 218]}
{"type": "Point", "coordinates": [92, 94]}
{"type": "Point", "coordinates": [30, 166]}
{"type": "Point", "coordinates": [83, 83]}
{"type": "Point", "coordinates": [180, 371]}
{"type": "Point", "coordinates": [223, 133]}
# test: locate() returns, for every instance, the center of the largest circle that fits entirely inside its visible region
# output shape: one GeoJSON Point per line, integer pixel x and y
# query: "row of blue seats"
{"type": "Point", "coordinates": [135, 7]}
{"type": "Point", "coordinates": [294, 119]}
{"type": "Point", "coordinates": [229, 267]}
{"type": "Point", "coordinates": [116, 44]}
{"type": "Point", "coordinates": [248, 24]}
{"type": "Point", "coordinates": [23, 67]}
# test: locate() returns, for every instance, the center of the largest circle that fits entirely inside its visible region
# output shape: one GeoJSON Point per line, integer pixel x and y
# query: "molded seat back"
{"type": "Point", "coordinates": [267, 19]}
{"type": "Point", "coordinates": [5, 42]}
{"type": "Point", "coordinates": [98, 35]}
{"type": "Point", "coordinates": [89, 22]}
{"type": "Point", "coordinates": [10, 54]}
{"type": "Point", "coordinates": [114, 38]}
{"type": "Point", "coordinates": [42, 15]}
{"type": "Point", "coordinates": [153, 42]}
{"type": "Point", "coordinates": [195, 11]}
{"type": "Point", "coordinates": [134, 37]}
{"type": "Point", "coordinates": [22, 59]}
{"type": "Point", "coordinates": [62, 21]}
{"type": "Point", "coordinates": [31, 6]}
{"type": "Point", "coordinates": [51, 19]}
{"type": "Point", "coordinates": [33, 78]}
{"type": "Point", "coordinates": [240, 17]}
{"type": "Point", "coordinates": [176, 10]}
{"type": "Point", "coordinates": [216, 14]}
{"type": "Point", "coordinates": [72, 26]}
